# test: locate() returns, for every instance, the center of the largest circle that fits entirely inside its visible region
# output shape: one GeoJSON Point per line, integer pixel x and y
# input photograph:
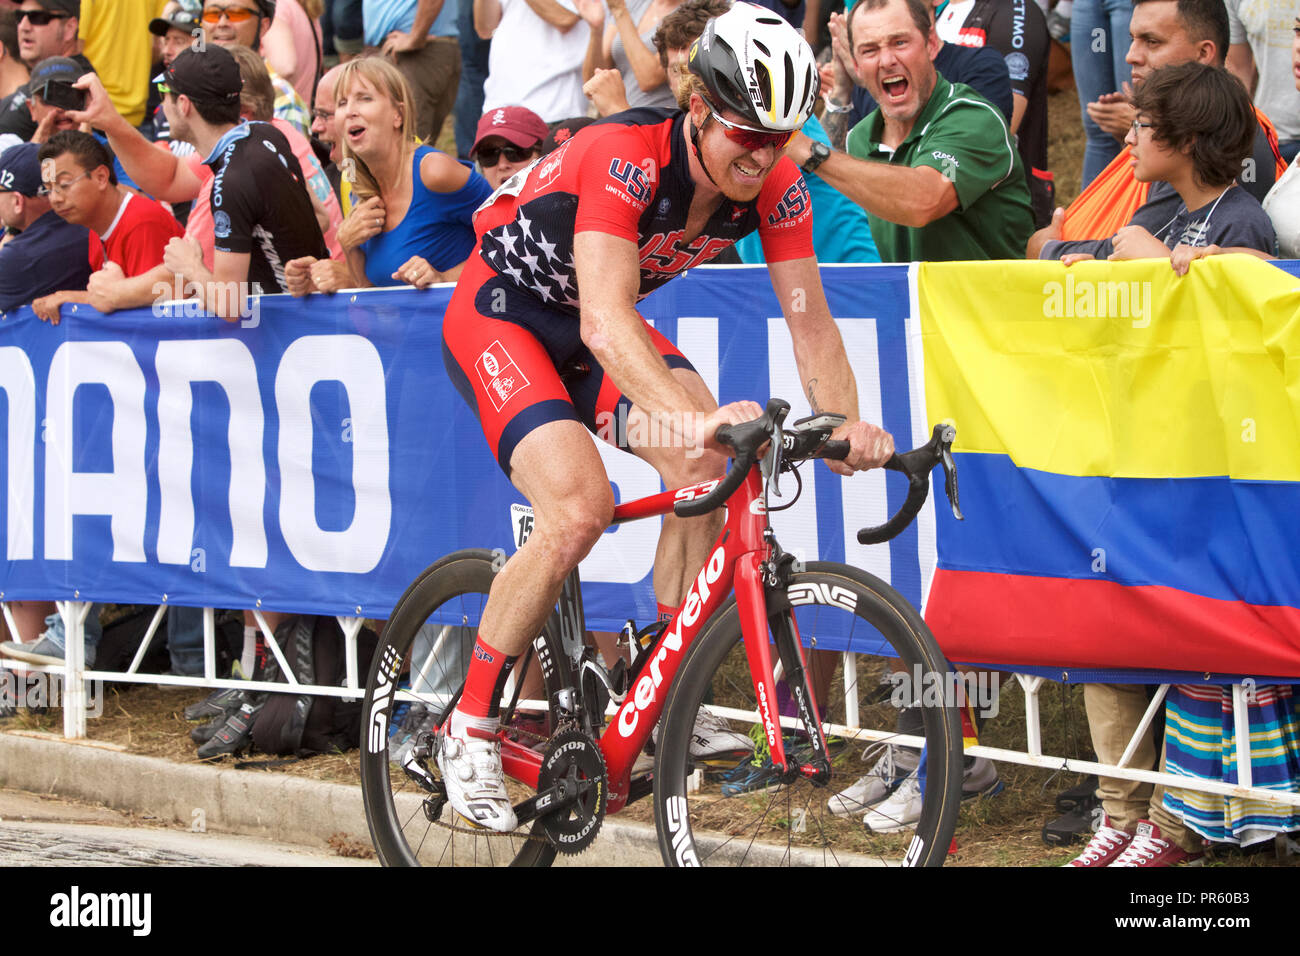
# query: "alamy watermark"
{"type": "Point", "coordinates": [1086, 299]}
{"type": "Point", "coordinates": [979, 689]}
{"type": "Point", "coordinates": [38, 691]}
{"type": "Point", "coordinates": [181, 299]}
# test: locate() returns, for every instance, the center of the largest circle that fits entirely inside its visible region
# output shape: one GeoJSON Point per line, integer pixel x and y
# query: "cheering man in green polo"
{"type": "Point", "coordinates": [934, 166]}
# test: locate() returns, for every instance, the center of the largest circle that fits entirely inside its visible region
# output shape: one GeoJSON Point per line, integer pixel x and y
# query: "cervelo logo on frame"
{"type": "Point", "coordinates": [644, 693]}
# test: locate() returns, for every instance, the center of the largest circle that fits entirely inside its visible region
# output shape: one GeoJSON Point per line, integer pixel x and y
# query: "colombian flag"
{"type": "Point", "coordinates": [1128, 451]}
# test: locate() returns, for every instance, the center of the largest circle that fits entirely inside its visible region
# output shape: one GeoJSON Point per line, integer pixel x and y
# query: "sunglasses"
{"type": "Point", "coordinates": [39, 18]}
{"type": "Point", "coordinates": [750, 138]}
{"type": "Point", "coordinates": [233, 14]}
{"type": "Point", "coordinates": [489, 156]}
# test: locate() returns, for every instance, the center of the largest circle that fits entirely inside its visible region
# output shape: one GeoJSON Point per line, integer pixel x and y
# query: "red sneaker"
{"type": "Point", "coordinates": [1149, 848]}
{"type": "Point", "coordinates": [1105, 846]}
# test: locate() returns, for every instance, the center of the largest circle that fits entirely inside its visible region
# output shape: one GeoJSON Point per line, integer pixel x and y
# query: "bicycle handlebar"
{"type": "Point", "coordinates": [745, 438]}
{"type": "Point", "coordinates": [800, 444]}
{"type": "Point", "coordinates": [916, 465]}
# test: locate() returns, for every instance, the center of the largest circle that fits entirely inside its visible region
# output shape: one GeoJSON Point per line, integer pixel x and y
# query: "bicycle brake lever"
{"type": "Point", "coordinates": [771, 464]}
{"type": "Point", "coordinates": [946, 438]}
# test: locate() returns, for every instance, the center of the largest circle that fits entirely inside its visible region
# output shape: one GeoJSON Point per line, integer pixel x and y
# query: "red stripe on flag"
{"type": "Point", "coordinates": [1067, 622]}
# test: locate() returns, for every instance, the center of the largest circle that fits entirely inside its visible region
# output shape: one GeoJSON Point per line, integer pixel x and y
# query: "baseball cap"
{"type": "Point", "coordinates": [20, 169]}
{"type": "Point", "coordinates": [71, 7]}
{"type": "Point", "coordinates": [515, 124]}
{"type": "Point", "coordinates": [185, 18]}
{"type": "Point", "coordinates": [208, 76]}
{"type": "Point", "coordinates": [56, 69]}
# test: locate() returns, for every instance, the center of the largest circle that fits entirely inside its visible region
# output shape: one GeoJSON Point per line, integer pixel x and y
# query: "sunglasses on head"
{"type": "Point", "coordinates": [750, 138]}
{"type": "Point", "coordinates": [39, 18]}
{"type": "Point", "coordinates": [233, 14]}
{"type": "Point", "coordinates": [489, 156]}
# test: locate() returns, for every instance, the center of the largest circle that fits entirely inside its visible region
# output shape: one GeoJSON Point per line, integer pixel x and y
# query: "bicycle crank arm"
{"type": "Point", "coordinates": [553, 800]}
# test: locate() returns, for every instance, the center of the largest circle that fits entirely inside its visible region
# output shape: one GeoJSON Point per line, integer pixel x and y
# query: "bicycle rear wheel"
{"type": "Point", "coordinates": [426, 646]}
{"type": "Point", "coordinates": [748, 816]}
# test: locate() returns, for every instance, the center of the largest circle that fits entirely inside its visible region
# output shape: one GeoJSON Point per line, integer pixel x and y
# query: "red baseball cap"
{"type": "Point", "coordinates": [517, 125]}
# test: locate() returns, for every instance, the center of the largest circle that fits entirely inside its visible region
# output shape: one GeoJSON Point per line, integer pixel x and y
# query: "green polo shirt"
{"type": "Point", "coordinates": [962, 135]}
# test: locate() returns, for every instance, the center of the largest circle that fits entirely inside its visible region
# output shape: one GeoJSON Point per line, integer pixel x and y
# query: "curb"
{"type": "Point", "coordinates": [250, 802]}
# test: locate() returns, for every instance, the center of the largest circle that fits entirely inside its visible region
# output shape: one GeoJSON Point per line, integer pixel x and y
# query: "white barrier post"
{"type": "Point", "coordinates": [74, 664]}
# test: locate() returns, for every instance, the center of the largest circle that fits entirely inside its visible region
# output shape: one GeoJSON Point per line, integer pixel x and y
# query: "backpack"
{"type": "Point", "coordinates": [301, 724]}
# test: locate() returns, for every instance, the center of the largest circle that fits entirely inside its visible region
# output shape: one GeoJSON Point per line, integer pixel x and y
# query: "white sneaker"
{"type": "Point", "coordinates": [876, 784]}
{"type": "Point", "coordinates": [476, 786]}
{"type": "Point", "coordinates": [899, 811]}
{"type": "Point", "coordinates": [712, 737]}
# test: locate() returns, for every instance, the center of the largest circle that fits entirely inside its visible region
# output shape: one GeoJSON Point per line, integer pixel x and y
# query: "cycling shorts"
{"type": "Point", "coordinates": [520, 365]}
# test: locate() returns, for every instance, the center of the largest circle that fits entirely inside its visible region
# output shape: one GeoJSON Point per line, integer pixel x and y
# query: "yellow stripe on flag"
{"type": "Point", "coordinates": [1118, 369]}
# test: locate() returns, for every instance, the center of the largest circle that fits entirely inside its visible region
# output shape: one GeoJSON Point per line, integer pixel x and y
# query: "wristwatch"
{"type": "Point", "coordinates": [818, 154]}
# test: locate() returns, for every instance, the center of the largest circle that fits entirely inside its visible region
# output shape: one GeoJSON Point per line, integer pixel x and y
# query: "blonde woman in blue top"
{"type": "Point", "coordinates": [412, 205]}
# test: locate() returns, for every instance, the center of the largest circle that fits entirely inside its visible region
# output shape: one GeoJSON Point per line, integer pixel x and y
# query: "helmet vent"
{"type": "Point", "coordinates": [764, 85]}
{"type": "Point", "coordinates": [789, 84]}
{"type": "Point", "coordinates": [763, 47]}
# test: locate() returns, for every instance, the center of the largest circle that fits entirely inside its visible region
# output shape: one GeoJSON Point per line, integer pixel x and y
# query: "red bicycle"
{"type": "Point", "coordinates": [573, 731]}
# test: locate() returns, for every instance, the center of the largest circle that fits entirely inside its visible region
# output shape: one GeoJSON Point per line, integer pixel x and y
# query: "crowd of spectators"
{"type": "Point", "coordinates": [226, 148]}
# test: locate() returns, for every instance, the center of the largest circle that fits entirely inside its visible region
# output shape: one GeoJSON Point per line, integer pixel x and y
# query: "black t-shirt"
{"type": "Point", "coordinates": [260, 203]}
{"type": "Point", "coordinates": [1018, 30]}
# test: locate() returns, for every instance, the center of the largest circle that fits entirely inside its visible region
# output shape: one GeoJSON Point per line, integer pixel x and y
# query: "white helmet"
{"type": "Point", "coordinates": [755, 63]}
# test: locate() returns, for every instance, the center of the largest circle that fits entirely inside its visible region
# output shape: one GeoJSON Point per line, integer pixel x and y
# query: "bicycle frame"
{"type": "Point", "coordinates": [734, 563]}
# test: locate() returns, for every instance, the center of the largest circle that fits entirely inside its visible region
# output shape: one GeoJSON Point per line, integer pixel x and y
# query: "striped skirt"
{"type": "Point", "coordinates": [1200, 741]}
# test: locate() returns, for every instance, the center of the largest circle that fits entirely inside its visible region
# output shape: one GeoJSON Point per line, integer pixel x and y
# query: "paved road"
{"type": "Point", "coordinates": [36, 831]}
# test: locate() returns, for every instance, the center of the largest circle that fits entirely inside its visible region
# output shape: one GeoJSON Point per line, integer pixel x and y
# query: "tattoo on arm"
{"type": "Point", "coordinates": [812, 397]}
{"type": "Point", "coordinates": [837, 128]}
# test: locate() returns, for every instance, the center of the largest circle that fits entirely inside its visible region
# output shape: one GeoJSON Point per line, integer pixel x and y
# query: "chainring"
{"type": "Point", "coordinates": [573, 758]}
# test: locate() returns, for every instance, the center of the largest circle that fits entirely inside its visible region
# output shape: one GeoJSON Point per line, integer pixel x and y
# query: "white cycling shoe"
{"type": "Point", "coordinates": [476, 786]}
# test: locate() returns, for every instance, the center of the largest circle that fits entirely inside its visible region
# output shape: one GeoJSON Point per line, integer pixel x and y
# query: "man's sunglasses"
{"type": "Point", "coordinates": [40, 18]}
{"type": "Point", "coordinates": [489, 156]}
{"type": "Point", "coordinates": [213, 15]}
{"type": "Point", "coordinates": [750, 138]}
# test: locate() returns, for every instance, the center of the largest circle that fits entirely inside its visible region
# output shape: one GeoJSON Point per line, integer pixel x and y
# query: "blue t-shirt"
{"type": "Point", "coordinates": [841, 232]}
{"type": "Point", "coordinates": [437, 226]}
{"type": "Point", "coordinates": [50, 255]}
{"type": "Point", "coordinates": [382, 17]}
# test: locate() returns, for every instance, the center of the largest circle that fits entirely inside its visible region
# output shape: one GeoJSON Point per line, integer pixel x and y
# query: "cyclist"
{"type": "Point", "coordinates": [542, 337]}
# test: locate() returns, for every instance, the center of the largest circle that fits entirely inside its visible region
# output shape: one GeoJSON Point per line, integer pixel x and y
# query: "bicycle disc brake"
{"type": "Point", "coordinates": [575, 768]}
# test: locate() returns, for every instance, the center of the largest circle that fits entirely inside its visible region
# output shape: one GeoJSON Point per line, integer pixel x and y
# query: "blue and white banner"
{"type": "Point", "coordinates": [317, 458]}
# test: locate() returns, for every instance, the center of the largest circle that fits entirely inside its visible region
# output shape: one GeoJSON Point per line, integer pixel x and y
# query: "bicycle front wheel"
{"type": "Point", "coordinates": [425, 651]}
{"type": "Point", "coordinates": [855, 630]}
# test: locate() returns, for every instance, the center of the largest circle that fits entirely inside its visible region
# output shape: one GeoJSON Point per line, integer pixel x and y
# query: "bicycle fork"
{"type": "Point", "coordinates": [762, 602]}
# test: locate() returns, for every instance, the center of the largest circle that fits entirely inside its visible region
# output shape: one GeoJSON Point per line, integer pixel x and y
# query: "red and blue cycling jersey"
{"type": "Point", "coordinates": [629, 176]}
{"type": "Point", "coordinates": [511, 335]}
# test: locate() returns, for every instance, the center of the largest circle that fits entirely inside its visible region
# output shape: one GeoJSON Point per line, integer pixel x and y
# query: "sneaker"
{"type": "Point", "coordinates": [476, 786]}
{"type": "Point", "coordinates": [712, 738]}
{"type": "Point", "coordinates": [980, 779]}
{"type": "Point", "coordinates": [1078, 823]}
{"type": "Point", "coordinates": [221, 702]}
{"type": "Point", "coordinates": [235, 735]}
{"type": "Point", "coordinates": [1085, 793]}
{"type": "Point", "coordinates": [1104, 848]}
{"type": "Point", "coordinates": [1149, 848]}
{"type": "Point", "coordinates": [876, 784]}
{"type": "Point", "coordinates": [749, 777]}
{"type": "Point", "coordinates": [417, 720]}
{"type": "Point", "coordinates": [43, 651]}
{"type": "Point", "coordinates": [899, 811]}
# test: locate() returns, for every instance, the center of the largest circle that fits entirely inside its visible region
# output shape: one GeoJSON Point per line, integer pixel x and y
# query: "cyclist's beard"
{"type": "Point", "coordinates": [720, 175]}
